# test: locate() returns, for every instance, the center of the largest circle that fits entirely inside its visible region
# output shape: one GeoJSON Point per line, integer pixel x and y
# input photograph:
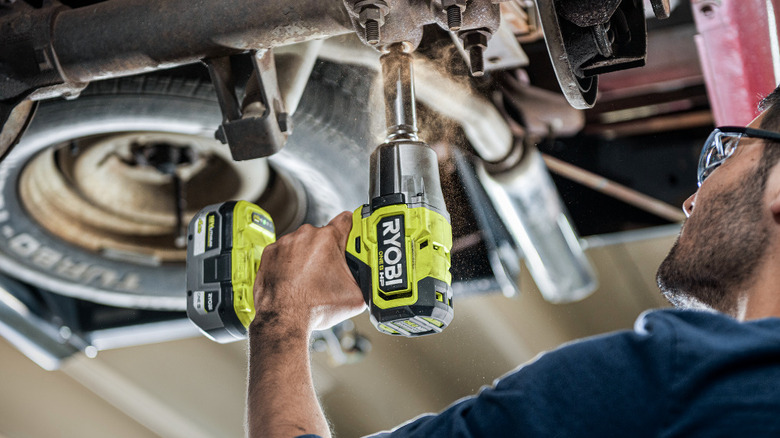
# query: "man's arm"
{"type": "Point", "coordinates": [281, 399]}
{"type": "Point", "coordinates": [303, 284]}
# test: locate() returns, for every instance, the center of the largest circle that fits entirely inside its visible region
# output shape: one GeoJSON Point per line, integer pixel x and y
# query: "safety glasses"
{"type": "Point", "coordinates": [722, 143]}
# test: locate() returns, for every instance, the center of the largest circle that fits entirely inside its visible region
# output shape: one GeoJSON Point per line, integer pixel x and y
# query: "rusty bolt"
{"type": "Point", "coordinates": [454, 10]}
{"type": "Point", "coordinates": [475, 43]}
{"type": "Point", "coordinates": [372, 18]}
{"type": "Point", "coordinates": [372, 13]}
{"type": "Point", "coordinates": [454, 18]}
{"type": "Point", "coordinates": [373, 35]}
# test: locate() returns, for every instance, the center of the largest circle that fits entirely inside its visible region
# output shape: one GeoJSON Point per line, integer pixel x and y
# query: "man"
{"type": "Point", "coordinates": [679, 373]}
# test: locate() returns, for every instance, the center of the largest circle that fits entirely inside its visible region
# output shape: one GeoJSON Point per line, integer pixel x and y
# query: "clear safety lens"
{"type": "Point", "coordinates": [719, 146]}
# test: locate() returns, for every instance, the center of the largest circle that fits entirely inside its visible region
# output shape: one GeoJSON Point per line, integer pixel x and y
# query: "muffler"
{"type": "Point", "coordinates": [538, 227]}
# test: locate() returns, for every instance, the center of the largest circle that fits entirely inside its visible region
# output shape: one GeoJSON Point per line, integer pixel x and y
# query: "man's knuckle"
{"type": "Point", "coordinates": [332, 237]}
{"type": "Point", "coordinates": [331, 230]}
{"type": "Point", "coordinates": [271, 249]}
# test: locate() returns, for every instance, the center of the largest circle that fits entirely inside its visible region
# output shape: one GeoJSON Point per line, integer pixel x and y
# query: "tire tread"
{"type": "Point", "coordinates": [163, 85]}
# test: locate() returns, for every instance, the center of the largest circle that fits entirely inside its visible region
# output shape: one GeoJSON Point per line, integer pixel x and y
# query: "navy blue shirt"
{"type": "Point", "coordinates": [677, 374]}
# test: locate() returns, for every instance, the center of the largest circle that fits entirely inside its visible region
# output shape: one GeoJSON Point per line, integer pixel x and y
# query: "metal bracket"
{"type": "Point", "coordinates": [260, 125]}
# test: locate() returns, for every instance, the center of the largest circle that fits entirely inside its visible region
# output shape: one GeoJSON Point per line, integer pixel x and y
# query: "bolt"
{"type": "Point", "coordinates": [454, 17]}
{"type": "Point", "coordinates": [475, 42]}
{"type": "Point", "coordinates": [372, 18]}
{"type": "Point", "coordinates": [477, 60]}
{"type": "Point", "coordinates": [372, 32]}
{"type": "Point", "coordinates": [454, 10]}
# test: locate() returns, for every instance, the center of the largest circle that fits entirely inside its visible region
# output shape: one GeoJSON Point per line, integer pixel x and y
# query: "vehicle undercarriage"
{"type": "Point", "coordinates": [553, 120]}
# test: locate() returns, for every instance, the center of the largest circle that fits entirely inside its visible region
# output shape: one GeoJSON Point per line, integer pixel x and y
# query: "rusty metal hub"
{"type": "Point", "coordinates": [118, 194]}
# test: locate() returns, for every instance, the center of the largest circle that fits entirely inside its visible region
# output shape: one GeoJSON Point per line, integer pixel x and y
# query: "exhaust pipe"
{"type": "Point", "coordinates": [535, 218]}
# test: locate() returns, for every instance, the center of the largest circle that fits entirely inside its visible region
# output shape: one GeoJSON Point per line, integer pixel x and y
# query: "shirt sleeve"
{"type": "Point", "coordinates": [605, 386]}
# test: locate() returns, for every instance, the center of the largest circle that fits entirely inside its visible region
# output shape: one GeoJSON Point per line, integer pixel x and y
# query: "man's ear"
{"type": "Point", "coordinates": [774, 206]}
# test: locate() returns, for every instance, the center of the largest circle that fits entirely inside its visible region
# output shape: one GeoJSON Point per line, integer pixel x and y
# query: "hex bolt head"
{"type": "Point", "coordinates": [445, 4]}
{"type": "Point", "coordinates": [475, 42]}
{"type": "Point", "coordinates": [372, 13]}
{"type": "Point", "coordinates": [372, 17]}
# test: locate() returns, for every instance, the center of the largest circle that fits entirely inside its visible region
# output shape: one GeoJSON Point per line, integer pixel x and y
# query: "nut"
{"type": "Point", "coordinates": [447, 3]}
{"type": "Point", "coordinates": [372, 13]}
{"type": "Point", "coordinates": [473, 38]}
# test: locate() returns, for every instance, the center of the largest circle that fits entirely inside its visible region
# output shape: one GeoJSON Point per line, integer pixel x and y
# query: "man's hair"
{"type": "Point", "coordinates": [770, 99]}
{"type": "Point", "coordinates": [771, 122]}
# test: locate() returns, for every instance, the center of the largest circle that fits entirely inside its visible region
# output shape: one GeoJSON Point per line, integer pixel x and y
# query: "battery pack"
{"type": "Point", "coordinates": [224, 247]}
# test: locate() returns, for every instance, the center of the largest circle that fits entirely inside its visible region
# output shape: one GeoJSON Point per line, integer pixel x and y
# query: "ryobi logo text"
{"type": "Point", "coordinates": [391, 240]}
{"type": "Point", "coordinates": [212, 240]}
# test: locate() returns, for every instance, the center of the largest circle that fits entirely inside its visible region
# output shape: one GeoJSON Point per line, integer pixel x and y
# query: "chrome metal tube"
{"type": "Point", "coordinates": [398, 78]}
{"type": "Point", "coordinates": [532, 212]}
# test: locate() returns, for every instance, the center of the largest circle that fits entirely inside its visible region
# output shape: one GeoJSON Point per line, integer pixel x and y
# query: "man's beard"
{"type": "Point", "coordinates": [719, 249]}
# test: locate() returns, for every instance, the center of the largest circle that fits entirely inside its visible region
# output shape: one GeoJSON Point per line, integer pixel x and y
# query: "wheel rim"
{"type": "Point", "coordinates": [99, 193]}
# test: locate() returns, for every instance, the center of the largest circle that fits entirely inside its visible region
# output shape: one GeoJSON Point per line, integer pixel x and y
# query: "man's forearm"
{"type": "Point", "coordinates": [303, 284]}
{"type": "Point", "coordinates": [281, 399]}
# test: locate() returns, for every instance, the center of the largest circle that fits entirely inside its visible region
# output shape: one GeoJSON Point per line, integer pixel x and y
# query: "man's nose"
{"type": "Point", "coordinates": [688, 205]}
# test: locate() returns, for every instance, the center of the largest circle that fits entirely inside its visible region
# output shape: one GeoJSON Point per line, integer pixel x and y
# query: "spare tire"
{"type": "Point", "coordinates": [84, 220]}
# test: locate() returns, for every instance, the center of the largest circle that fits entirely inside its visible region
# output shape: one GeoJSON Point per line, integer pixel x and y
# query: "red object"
{"type": "Point", "coordinates": [739, 53]}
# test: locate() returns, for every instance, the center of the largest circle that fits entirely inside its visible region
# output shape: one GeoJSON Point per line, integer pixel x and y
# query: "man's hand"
{"type": "Point", "coordinates": [303, 284]}
{"type": "Point", "coordinates": [304, 280]}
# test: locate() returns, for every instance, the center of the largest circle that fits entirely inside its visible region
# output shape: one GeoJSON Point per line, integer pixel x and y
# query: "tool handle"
{"type": "Point", "coordinates": [357, 257]}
